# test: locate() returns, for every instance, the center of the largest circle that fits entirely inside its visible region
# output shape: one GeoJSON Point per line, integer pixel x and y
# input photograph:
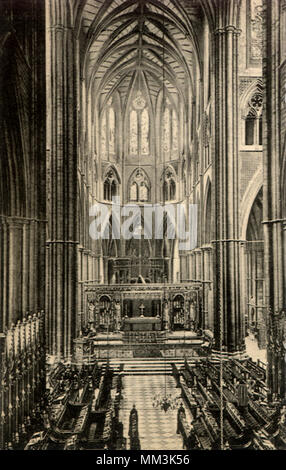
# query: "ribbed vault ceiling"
{"type": "Point", "coordinates": [147, 38]}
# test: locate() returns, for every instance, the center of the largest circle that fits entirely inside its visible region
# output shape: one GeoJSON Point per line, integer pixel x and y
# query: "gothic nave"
{"type": "Point", "coordinates": [143, 224]}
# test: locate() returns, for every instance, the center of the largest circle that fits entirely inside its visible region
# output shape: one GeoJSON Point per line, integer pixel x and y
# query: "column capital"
{"type": "Point", "coordinates": [15, 223]}
{"type": "Point", "coordinates": [206, 248]}
{"type": "Point", "coordinates": [230, 29]}
{"type": "Point", "coordinates": [60, 27]}
{"type": "Point", "coordinates": [63, 242]}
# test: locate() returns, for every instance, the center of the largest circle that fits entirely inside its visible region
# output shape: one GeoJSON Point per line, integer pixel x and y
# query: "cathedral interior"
{"type": "Point", "coordinates": [123, 338]}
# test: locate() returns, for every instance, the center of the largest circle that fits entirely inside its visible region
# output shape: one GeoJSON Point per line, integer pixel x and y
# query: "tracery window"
{"type": "Point", "coordinates": [133, 132]}
{"type": "Point", "coordinates": [111, 129]}
{"type": "Point", "coordinates": [108, 131]}
{"type": "Point", "coordinates": [110, 185]}
{"type": "Point", "coordinates": [170, 131]}
{"type": "Point", "coordinates": [169, 186]}
{"type": "Point", "coordinates": [166, 131]}
{"type": "Point", "coordinates": [145, 132]}
{"type": "Point", "coordinates": [139, 127]}
{"type": "Point", "coordinates": [139, 187]}
{"type": "Point", "coordinates": [174, 131]}
{"type": "Point", "coordinates": [253, 121]}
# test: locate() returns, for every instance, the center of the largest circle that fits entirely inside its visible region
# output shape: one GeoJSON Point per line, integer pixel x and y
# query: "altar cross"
{"type": "Point", "coordinates": [141, 308]}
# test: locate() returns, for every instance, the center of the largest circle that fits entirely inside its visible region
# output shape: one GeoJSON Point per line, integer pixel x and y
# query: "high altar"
{"type": "Point", "coordinates": [143, 307]}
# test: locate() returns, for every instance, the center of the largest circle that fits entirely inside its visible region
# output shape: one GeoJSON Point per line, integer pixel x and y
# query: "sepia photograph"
{"type": "Point", "coordinates": [143, 228]}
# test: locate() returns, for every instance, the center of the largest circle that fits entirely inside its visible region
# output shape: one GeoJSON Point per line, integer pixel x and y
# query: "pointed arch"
{"type": "Point", "coordinates": [139, 186]}
{"type": "Point", "coordinates": [221, 14]}
{"type": "Point", "coordinates": [113, 169]}
{"type": "Point", "coordinates": [254, 231]}
{"type": "Point", "coordinates": [249, 197]}
{"type": "Point", "coordinates": [251, 114]}
{"type": "Point", "coordinates": [169, 184]}
{"type": "Point", "coordinates": [255, 86]}
{"type": "Point", "coordinates": [111, 182]}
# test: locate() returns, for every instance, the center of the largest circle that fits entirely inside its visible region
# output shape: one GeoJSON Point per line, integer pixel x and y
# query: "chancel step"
{"type": "Point", "coordinates": [145, 366]}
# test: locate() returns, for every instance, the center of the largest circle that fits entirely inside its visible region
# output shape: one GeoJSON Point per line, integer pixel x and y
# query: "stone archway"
{"type": "Point", "coordinates": [255, 271]}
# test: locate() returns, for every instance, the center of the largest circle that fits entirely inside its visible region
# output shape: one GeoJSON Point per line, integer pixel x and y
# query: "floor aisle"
{"type": "Point", "coordinates": [253, 350]}
{"type": "Point", "coordinates": [157, 429]}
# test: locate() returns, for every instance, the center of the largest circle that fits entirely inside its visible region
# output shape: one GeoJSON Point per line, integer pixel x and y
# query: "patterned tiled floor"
{"type": "Point", "coordinates": [253, 350]}
{"type": "Point", "coordinates": [157, 429]}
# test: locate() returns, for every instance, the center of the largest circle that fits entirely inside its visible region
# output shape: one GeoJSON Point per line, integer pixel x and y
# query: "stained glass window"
{"type": "Point", "coordinates": [169, 131]}
{"type": "Point", "coordinates": [139, 186]}
{"type": "Point", "coordinates": [139, 102]}
{"type": "Point", "coordinates": [253, 120]}
{"type": "Point", "coordinates": [145, 132]}
{"type": "Point", "coordinates": [139, 126]}
{"type": "Point", "coordinates": [169, 186]}
{"type": "Point", "coordinates": [133, 192]}
{"type": "Point", "coordinates": [133, 132]}
{"type": "Point", "coordinates": [143, 192]}
{"type": "Point", "coordinates": [110, 185]}
{"type": "Point", "coordinates": [166, 131]}
{"type": "Point", "coordinates": [103, 134]}
{"type": "Point", "coordinates": [111, 131]}
{"type": "Point", "coordinates": [108, 131]}
{"type": "Point", "coordinates": [174, 131]}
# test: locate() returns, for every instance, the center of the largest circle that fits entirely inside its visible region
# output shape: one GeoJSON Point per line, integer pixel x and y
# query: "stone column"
{"type": "Point", "coordinates": [176, 263]}
{"type": "Point", "coordinates": [25, 269]}
{"type": "Point", "coordinates": [284, 251]}
{"type": "Point", "coordinates": [32, 253]}
{"type": "Point", "coordinates": [198, 255]}
{"type": "Point", "coordinates": [274, 71]}
{"type": "Point", "coordinates": [11, 287]}
{"type": "Point", "coordinates": [190, 269]}
{"type": "Point", "coordinates": [62, 92]}
{"type": "Point", "coordinates": [259, 295]}
{"type": "Point", "coordinates": [3, 414]}
{"type": "Point", "coordinates": [79, 317]}
{"type": "Point", "coordinates": [15, 229]}
{"type": "Point", "coordinates": [193, 274]}
{"type": "Point", "coordinates": [244, 281]}
{"type": "Point", "coordinates": [228, 316]}
{"type": "Point", "coordinates": [206, 256]}
{"type": "Point", "coordinates": [4, 253]}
